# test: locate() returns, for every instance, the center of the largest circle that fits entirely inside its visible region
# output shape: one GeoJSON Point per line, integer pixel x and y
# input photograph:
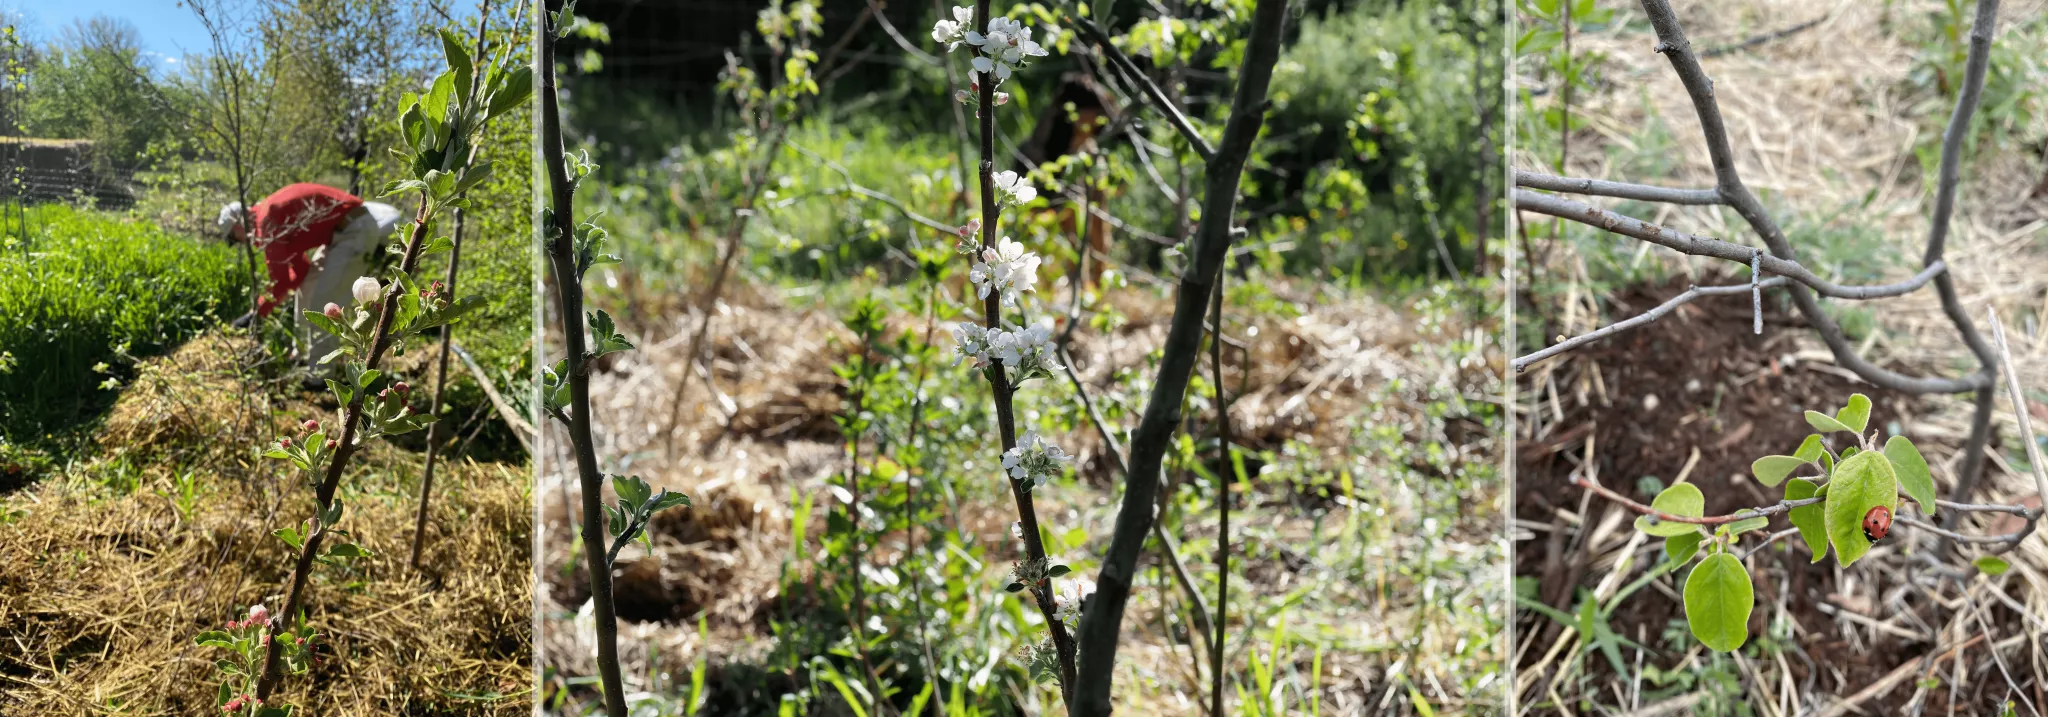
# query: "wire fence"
{"type": "Point", "coordinates": [41, 170]}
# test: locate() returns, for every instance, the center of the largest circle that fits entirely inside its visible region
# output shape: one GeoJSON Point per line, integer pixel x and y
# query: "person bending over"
{"type": "Point", "coordinates": [317, 241]}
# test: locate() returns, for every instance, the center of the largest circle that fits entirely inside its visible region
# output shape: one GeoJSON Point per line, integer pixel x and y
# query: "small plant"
{"type": "Point", "coordinates": [572, 249]}
{"type": "Point", "coordinates": [1853, 501]}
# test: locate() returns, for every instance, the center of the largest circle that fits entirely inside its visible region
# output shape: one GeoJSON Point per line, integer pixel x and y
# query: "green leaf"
{"type": "Point", "coordinates": [1811, 449]}
{"type": "Point", "coordinates": [1861, 482]}
{"type": "Point", "coordinates": [458, 60]}
{"type": "Point", "coordinates": [214, 638]}
{"type": "Point", "coordinates": [1992, 565]}
{"type": "Point", "coordinates": [633, 492]}
{"type": "Point", "coordinates": [1746, 525]}
{"type": "Point", "coordinates": [1856, 415]}
{"type": "Point", "coordinates": [517, 87]}
{"type": "Point", "coordinates": [1681, 548]}
{"type": "Point", "coordinates": [1058, 570]}
{"type": "Point", "coordinates": [666, 500]}
{"type": "Point", "coordinates": [1914, 478]}
{"type": "Point", "coordinates": [1683, 499]}
{"type": "Point", "coordinates": [605, 337]}
{"type": "Point", "coordinates": [1013, 587]}
{"type": "Point", "coordinates": [290, 536]}
{"type": "Point", "coordinates": [1809, 519]}
{"type": "Point", "coordinates": [1718, 598]}
{"type": "Point", "coordinates": [1771, 470]}
{"type": "Point", "coordinates": [1825, 423]}
{"type": "Point", "coordinates": [348, 550]}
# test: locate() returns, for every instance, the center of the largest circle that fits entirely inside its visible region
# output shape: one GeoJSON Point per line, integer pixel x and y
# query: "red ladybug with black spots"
{"type": "Point", "coordinates": [1877, 523]}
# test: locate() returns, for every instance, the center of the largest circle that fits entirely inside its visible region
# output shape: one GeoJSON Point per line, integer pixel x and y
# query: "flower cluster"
{"type": "Point", "coordinates": [258, 616]}
{"type": "Point", "coordinates": [1005, 47]}
{"type": "Point", "coordinates": [1034, 460]}
{"type": "Point", "coordinates": [1005, 268]}
{"type": "Point", "coordinates": [1028, 352]}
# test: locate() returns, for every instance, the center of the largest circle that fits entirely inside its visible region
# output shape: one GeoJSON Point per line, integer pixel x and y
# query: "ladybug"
{"type": "Point", "coordinates": [1877, 523]}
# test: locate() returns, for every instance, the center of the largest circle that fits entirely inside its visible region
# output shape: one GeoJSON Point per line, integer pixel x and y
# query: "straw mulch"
{"type": "Point", "coordinates": [101, 593]}
{"type": "Point", "coordinates": [1824, 123]}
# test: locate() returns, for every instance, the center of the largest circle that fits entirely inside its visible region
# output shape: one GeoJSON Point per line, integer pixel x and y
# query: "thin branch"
{"type": "Point", "coordinates": [1714, 248]}
{"type": "Point", "coordinates": [1619, 190]}
{"type": "Point", "coordinates": [1137, 77]}
{"type": "Point", "coordinates": [2019, 405]}
{"type": "Point", "coordinates": [1661, 516]}
{"type": "Point", "coordinates": [1775, 537]}
{"type": "Point", "coordinates": [1642, 319]}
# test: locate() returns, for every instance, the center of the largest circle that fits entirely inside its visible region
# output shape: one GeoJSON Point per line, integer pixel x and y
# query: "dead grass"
{"type": "Point", "coordinates": [101, 591]}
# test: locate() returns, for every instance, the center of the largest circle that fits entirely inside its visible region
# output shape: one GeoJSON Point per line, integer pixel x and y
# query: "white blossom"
{"type": "Point", "coordinates": [1028, 352]}
{"type": "Point", "coordinates": [1012, 189]}
{"type": "Point", "coordinates": [1072, 593]}
{"type": "Point", "coordinates": [1005, 268]}
{"type": "Point", "coordinates": [366, 290]}
{"type": "Point", "coordinates": [972, 343]}
{"type": "Point", "coordinates": [951, 32]}
{"type": "Point", "coordinates": [1034, 460]}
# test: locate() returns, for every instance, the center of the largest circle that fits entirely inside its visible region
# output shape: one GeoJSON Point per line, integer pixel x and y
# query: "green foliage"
{"type": "Point", "coordinates": [1718, 596]}
{"type": "Point", "coordinates": [93, 83]}
{"type": "Point", "coordinates": [1718, 599]}
{"type": "Point", "coordinates": [90, 289]}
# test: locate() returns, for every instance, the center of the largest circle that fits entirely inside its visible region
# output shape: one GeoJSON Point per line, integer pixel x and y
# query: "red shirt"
{"type": "Point", "coordinates": [290, 222]}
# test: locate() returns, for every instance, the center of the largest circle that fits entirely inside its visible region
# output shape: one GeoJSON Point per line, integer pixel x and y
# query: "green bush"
{"type": "Point", "coordinates": [86, 290]}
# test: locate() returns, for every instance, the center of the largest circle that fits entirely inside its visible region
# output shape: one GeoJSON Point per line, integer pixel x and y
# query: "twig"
{"type": "Point", "coordinates": [1136, 77]}
{"type": "Point", "coordinates": [419, 526]}
{"type": "Point", "coordinates": [1641, 319]}
{"type": "Point", "coordinates": [1619, 190]}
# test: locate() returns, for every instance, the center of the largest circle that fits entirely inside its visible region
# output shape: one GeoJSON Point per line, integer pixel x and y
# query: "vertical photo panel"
{"type": "Point", "coordinates": [1022, 358]}
{"type": "Point", "coordinates": [265, 358]}
{"type": "Point", "coordinates": [1779, 357]}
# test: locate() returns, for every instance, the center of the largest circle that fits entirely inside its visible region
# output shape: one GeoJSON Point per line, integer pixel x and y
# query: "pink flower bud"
{"type": "Point", "coordinates": [333, 311]}
{"type": "Point", "coordinates": [312, 425]}
{"type": "Point", "coordinates": [259, 614]}
{"type": "Point", "coordinates": [402, 387]}
{"type": "Point", "coordinates": [266, 640]}
{"type": "Point", "coordinates": [331, 444]}
{"type": "Point", "coordinates": [972, 227]}
{"type": "Point", "coordinates": [285, 441]}
{"type": "Point", "coordinates": [1002, 98]}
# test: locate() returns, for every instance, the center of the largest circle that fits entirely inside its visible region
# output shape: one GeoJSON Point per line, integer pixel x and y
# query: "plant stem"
{"type": "Point", "coordinates": [999, 386]}
{"type": "Point", "coordinates": [419, 525]}
{"type": "Point", "coordinates": [1226, 475]}
{"type": "Point", "coordinates": [560, 240]}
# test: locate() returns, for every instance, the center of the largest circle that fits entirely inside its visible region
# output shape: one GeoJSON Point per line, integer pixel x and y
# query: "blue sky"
{"type": "Point", "coordinates": [168, 29]}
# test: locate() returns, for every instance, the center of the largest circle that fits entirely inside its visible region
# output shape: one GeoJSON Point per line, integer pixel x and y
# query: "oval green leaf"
{"type": "Point", "coordinates": [1810, 521]}
{"type": "Point", "coordinates": [1914, 478]}
{"type": "Point", "coordinates": [1825, 423]}
{"type": "Point", "coordinates": [1681, 548]}
{"type": "Point", "coordinates": [1683, 499]}
{"type": "Point", "coordinates": [1992, 565]}
{"type": "Point", "coordinates": [1771, 470]}
{"type": "Point", "coordinates": [1718, 598]}
{"type": "Point", "coordinates": [1811, 449]}
{"type": "Point", "coordinates": [1861, 482]}
{"type": "Point", "coordinates": [1856, 415]}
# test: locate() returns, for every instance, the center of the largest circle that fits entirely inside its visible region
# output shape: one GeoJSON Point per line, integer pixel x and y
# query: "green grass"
{"type": "Point", "coordinates": [87, 291]}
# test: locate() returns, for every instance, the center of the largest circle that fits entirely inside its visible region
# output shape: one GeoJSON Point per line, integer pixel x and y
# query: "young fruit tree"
{"type": "Point", "coordinates": [1840, 493]}
{"type": "Point", "coordinates": [440, 129]}
{"type": "Point", "coordinates": [572, 248]}
{"type": "Point", "coordinates": [1084, 618]}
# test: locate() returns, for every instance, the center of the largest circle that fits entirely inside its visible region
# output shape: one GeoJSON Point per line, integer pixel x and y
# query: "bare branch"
{"type": "Point", "coordinates": [2019, 406]}
{"type": "Point", "coordinates": [1619, 190]}
{"type": "Point", "coordinates": [1641, 319]}
{"type": "Point", "coordinates": [1137, 77]}
{"type": "Point", "coordinates": [1702, 246]}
